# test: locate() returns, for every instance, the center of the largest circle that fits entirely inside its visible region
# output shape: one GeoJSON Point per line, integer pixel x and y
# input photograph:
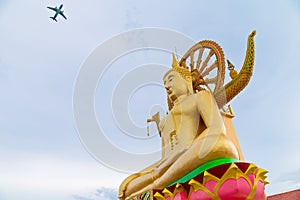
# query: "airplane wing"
{"type": "Point", "coordinates": [51, 8]}
{"type": "Point", "coordinates": [62, 14]}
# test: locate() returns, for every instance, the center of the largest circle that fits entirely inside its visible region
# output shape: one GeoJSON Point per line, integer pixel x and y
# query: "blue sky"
{"type": "Point", "coordinates": [41, 154]}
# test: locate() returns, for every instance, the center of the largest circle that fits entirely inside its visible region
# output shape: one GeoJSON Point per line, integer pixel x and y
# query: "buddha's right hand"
{"type": "Point", "coordinates": [155, 174]}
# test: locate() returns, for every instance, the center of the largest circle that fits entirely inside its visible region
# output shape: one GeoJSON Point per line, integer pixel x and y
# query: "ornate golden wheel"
{"type": "Point", "coordinates": [207, 64]}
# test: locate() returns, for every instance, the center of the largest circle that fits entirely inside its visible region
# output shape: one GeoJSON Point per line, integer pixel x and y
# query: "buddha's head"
{"type": "Point", "coordinates": [177, 81]}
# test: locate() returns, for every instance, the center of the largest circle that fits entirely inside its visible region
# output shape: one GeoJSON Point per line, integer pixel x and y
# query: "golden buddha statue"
{"type": "Point", "coordinates": [193, 132]}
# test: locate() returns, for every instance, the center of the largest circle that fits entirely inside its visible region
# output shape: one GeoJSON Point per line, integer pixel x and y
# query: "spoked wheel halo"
{"type": "Point", "coordinates": [206, 62]}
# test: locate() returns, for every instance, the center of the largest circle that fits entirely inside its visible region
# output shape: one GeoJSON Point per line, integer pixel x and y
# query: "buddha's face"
{"type": "Point", "coordinates": [175, 85]}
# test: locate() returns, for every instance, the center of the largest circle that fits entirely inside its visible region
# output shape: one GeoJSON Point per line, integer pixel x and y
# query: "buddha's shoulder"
{"type": "Point", "coordinates": [196, 98]}
{"type": "Point", "coordinates": [203, 94]}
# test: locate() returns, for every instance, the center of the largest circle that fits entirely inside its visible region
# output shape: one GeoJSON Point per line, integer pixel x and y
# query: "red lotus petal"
{"type": "Point", "coordinates": [181, 196]}
{"type": "Point", "coordinates": [211, 184]}
{"type": "Point", "coordinates": [251, 177]}
{"type": "Point", "coordinates": [260, 191]}
{"type": "Point", "coordinates": [234, 189]}
{"type": "Point", "coordinates": [199, 195]}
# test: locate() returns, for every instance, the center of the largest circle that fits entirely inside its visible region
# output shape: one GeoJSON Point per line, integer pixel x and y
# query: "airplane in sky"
{"type": "Point", "coordinates": [58, 11]}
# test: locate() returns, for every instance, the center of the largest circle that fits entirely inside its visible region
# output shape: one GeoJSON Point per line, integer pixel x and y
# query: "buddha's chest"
{"type": "Point", "coordinates": [180, 114]}
{"type": "Point", "coordinates": [179, 126]}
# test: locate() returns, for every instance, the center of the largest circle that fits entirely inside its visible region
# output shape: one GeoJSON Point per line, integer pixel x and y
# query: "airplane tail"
{"type": "Point", "coordinates": [53, 18]}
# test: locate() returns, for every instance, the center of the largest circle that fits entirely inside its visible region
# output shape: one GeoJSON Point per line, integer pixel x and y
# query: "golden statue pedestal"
{"type": "Point", "coordinates": [222, 179]}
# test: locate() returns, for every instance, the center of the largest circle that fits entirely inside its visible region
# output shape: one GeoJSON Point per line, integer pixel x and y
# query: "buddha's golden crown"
{"type": "Point", "coordinates": [182, 70]}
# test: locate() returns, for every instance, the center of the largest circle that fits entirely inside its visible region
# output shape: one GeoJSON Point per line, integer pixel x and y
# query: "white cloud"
{"type": "Point", "coordinates": [102, 193]}
{"type": "Point", "coordinates": [43, 175]}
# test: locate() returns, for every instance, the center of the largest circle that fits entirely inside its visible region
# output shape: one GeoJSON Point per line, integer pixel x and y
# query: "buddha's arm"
{"type": "Point", "coordinates": [214, 136]}
{"type": "Point", "coordinates": [166, 163]}
{"type": "Point", "coordinates": [209, 111]}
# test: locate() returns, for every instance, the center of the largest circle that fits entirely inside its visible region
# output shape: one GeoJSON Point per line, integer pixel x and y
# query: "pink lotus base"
{"type": "Point", "coordinates": [235, 181]}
